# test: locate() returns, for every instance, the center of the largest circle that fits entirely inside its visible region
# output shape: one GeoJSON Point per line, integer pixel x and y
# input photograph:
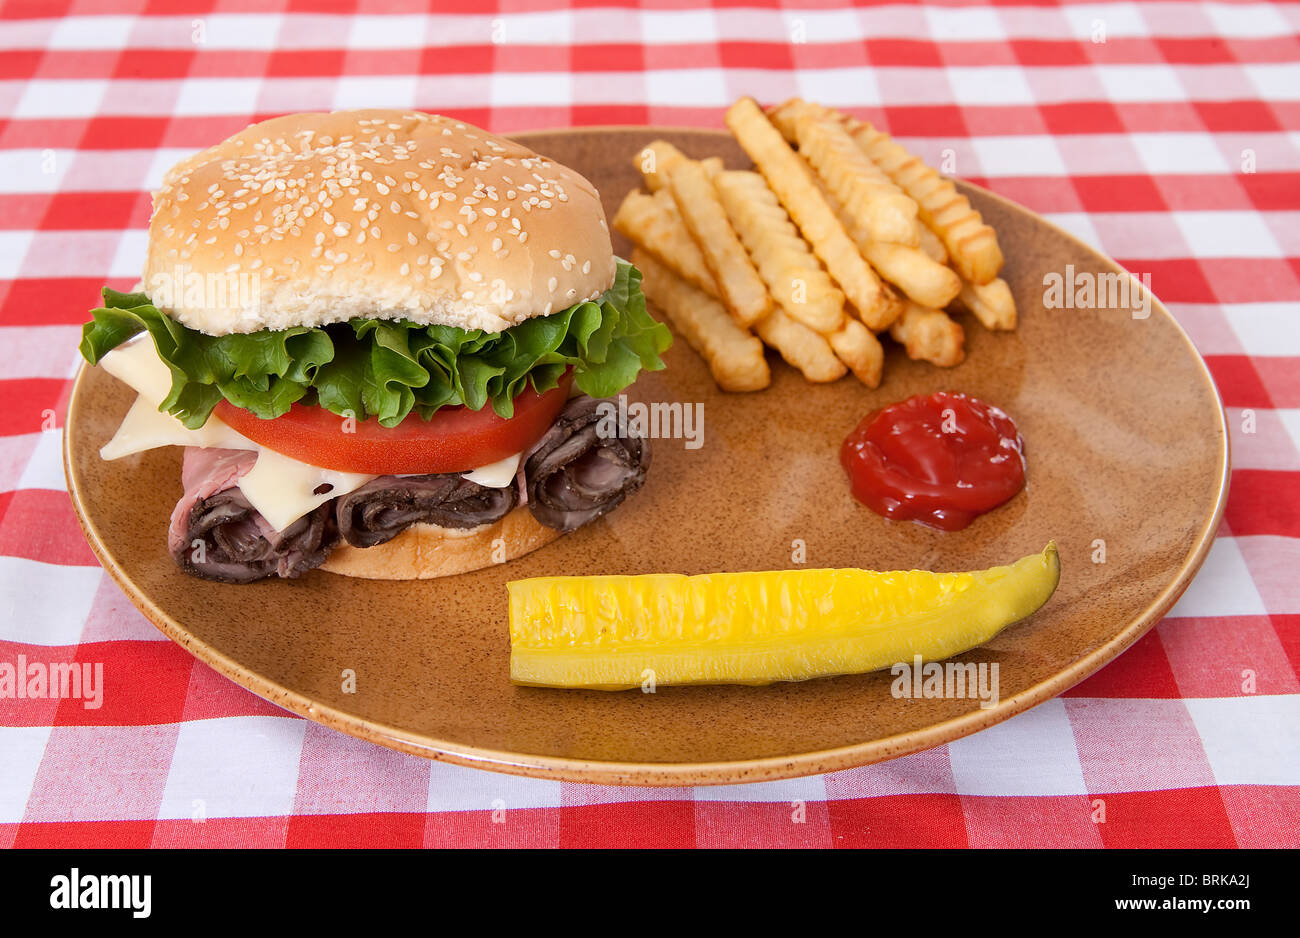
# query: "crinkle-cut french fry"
{"type": "Point", "coordinates": [785, 116]}
{"type": "Point", "coordinates": [857, 346]}
{"type": "Point", "coordinates": [929, 335]}
{"type": "Point", "coordinates": [794, 184]}
{"type": "Point", "coordinates": [908, 268]}
{"type": "Point", "coordinates": [972, 245]}
{"type": "Point", "coordinates": [735, 358]}
{"type": "Point", "coordinates": [786, 263]}
{"type": "Point", "coordinates": [912, 271]}
{"type": "Point", "coordinates": [932, 245]}
{"type": "Point", "coordinates": [895, 302]}
{"type": "Point", "coordinates": [652, 222]}
{"type": "Point", "coordinates": [743, 290]}
{"type": "Point", "coordinates": [657, 159]}
{"type": "Point", "coordinates": [867, 195]}
{"type": "Point", "coordinates": [991, 303]}
{"type": "Point", "coordinates": [801, 347]}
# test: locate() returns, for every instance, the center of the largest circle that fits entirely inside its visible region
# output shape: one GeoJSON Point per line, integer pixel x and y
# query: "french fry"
{"type": "Point", "coordinates": [972, 245]}
{"type": "Point", "coordinates": [895, 301]}
{"type": "Point", "coordinates": [801, 347]}
{"type": "Point", "coordinates": [735, 358]}
{"type": "Point", "coordinates": [743, 291]}
{"type": "Point", "coordinates": [857, 346]}
{"type": "Point", "coordinates": [929, 335]}
{"type": "Point", "coordinates": [932, 245]}
{"type": "Point", "coordinates": [794, 184]}
{"type": "Point", "coordinates": [652, 222]}
{"type": "Point", "coordinates": [991, 303]}
{"type": "Point", "coordinates": [655, 161]}
{"type": "Point", "coordinates": [785, 116]}
{"type": "Point", "coordinates": [784, 261]}
{"type": "Point", "coordinates": [862, 188]}
{"type": "Point", "coordinates": [659, 157]}
{"type": "Point", "coordinates": [910, 269]}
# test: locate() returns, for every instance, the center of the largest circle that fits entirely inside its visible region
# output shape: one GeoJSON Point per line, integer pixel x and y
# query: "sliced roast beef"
{"type": "Point", "coordinates": [216, 534]}
{"type": "Point", "coordinates": [384, 507]}
{"type": "Point", "coordinates": [584, 466]}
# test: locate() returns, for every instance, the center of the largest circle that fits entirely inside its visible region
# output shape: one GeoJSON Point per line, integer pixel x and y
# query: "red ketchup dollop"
{"type": "Point", "coordinates": [939, 459]}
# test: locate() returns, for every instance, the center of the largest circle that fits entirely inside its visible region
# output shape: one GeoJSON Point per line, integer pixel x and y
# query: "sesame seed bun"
{"type": "Point", "coordinates": [311, 219]}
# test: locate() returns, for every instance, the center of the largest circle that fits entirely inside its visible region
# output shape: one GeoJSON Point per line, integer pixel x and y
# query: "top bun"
{"type": "Point", "coordinates": [311, 219]}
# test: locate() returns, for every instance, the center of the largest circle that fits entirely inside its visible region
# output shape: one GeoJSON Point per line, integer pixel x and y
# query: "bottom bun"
{"type": "Point", "coordinates": [425, 551]}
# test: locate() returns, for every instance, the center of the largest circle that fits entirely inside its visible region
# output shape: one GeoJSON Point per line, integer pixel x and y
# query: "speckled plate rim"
{"type": "Point", "coordinates": [685, 773]}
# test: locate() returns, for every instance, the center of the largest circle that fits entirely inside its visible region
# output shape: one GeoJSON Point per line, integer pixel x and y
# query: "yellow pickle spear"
{"type": "Point", "coordinates": [618, 632]}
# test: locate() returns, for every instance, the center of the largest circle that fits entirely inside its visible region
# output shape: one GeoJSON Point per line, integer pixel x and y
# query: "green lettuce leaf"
{"type": "Point", "coordinates": [386, 369]}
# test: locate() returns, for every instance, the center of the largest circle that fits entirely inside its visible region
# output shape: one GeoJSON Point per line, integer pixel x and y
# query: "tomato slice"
{"type": "Point", "coordinates": [456, 439]}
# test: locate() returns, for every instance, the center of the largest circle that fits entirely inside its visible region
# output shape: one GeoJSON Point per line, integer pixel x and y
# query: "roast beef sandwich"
{"type": "Point", "coordinates": [382, 338]}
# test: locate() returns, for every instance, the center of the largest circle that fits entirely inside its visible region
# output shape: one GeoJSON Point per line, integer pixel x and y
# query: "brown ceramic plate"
{"type": "Point", "coordinates": [1126, 444]}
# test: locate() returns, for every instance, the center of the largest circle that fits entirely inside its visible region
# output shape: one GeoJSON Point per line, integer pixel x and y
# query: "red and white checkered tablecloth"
{"type": "Point", "coordinates": [1167, 133]}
